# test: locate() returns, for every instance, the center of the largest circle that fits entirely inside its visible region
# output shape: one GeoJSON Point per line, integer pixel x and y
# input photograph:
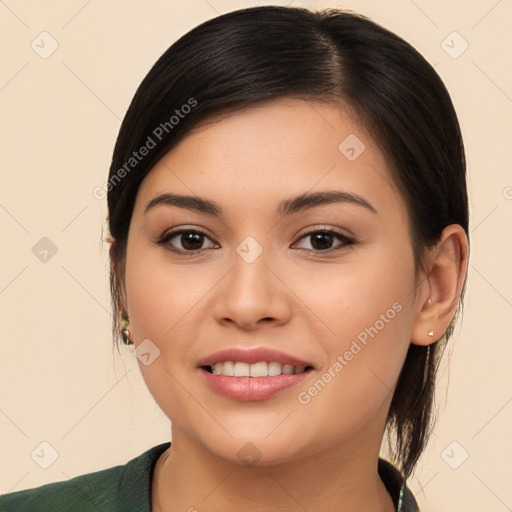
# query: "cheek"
{"type": "Point", "coordinates": [368, 309]}
{"type": "Point", "coordinates": [365, 289]}
{"type": "Point", "coordinates": [161, 301]}
{"type": "Point", "coordinates": [162, 296]}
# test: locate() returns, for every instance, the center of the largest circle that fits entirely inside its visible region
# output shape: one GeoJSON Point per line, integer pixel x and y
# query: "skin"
{"type": "Point", "coordinates": [316, 456]}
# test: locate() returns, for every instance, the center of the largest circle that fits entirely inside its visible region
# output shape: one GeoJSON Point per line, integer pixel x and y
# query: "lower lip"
{"type": "Point", "coordinates": [252, 389]}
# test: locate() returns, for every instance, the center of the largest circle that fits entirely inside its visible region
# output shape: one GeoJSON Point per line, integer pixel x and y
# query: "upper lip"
{"type": "Point", "coordinates": [251, 356]}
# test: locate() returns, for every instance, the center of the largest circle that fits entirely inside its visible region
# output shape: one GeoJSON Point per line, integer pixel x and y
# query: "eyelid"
{"type": "Point", "coordinates": [185, 228]}
{"type": "Point", "coordinates": [323, 229]}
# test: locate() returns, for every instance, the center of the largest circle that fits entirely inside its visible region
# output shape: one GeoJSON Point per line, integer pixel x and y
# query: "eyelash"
{"type": "Point", "coordinates": [167, 237]}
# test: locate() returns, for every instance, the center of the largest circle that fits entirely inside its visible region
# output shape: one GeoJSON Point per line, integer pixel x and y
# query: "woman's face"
{"type": "Point", "coordinates": [305, 252]}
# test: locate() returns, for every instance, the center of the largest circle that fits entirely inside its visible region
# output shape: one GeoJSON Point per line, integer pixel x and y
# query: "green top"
{"type": "Point", "coordinates": [128, 488]}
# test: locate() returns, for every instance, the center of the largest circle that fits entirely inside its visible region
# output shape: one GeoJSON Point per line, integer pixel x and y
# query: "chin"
{"type": "Point", "coordinates": [253, 451]}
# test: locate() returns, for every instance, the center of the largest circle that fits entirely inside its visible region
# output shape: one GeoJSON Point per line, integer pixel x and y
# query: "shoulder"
{"type": "Point", "coordinates": [402, 496]}
{"type": "Point", "coordinates": [116, 489]}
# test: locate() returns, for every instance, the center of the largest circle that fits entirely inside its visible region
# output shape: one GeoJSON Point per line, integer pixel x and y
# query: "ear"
{"type": "Point", "coordinates": [112, 250]}
{"type": "Point", "coordinates": [440, 291]}
{"type": "Point", "coordinates": [117, 267]}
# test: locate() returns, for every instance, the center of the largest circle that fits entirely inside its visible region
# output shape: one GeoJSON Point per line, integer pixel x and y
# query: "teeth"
{"type": "Point", "coordinates": [287, 369]}
{"type": "Point", "coordinates": [258, 369]}
{"type": "Point", "coordinates": [274, 369]}
{"type": "Point", "coordinates": [261, 369]}
{"type": "Point", "coordinates": [241, 370]}
{"type": "Point", "coordinates": [228, 368]}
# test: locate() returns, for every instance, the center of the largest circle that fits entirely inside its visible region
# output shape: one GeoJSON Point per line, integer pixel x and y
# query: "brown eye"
{"type": "Point", "coordinates": [187, 240]}
{"type": "Point", "coordinates": [325, 240]}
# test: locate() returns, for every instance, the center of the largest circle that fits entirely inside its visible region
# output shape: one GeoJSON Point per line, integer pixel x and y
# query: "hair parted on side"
{"type": "Point", "coordinates": [257, 54]}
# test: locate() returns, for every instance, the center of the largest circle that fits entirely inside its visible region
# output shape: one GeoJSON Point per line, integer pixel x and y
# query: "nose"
{"type": "Point", "coordinates": [252, 296]}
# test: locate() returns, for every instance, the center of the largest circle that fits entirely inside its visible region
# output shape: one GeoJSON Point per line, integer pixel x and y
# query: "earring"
{"type": "Point", "coordinates": [431, 332]}
{"type": "Point", "coordinates": [125, 331]}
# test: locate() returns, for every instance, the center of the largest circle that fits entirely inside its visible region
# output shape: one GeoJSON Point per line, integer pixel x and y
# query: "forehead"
{"type": "Point", "coordinates": [276, 149]}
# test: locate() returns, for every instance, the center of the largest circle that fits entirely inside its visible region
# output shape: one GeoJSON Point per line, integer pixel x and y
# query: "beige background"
{"type": "Point", "coordinates": [60, 382]}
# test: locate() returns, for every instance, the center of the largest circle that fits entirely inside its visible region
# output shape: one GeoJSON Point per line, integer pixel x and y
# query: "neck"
{"type": "Point", "coordinates": [190, 478]}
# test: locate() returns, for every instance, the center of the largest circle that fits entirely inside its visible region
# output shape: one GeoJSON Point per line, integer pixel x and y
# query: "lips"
{"type": "Point", "coordinates": [252, 374]}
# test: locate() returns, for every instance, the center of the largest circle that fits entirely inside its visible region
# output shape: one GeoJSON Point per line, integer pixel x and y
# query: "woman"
{"type": "Point", "coordinates": [289, 243]}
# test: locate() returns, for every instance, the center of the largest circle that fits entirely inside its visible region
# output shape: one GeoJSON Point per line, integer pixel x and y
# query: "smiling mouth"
{"type": "Point", "coordinates": [256, 370]}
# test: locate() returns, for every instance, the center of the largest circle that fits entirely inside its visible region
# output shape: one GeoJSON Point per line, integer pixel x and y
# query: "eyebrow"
{"type": "Point", "coordinates": [290, 206]}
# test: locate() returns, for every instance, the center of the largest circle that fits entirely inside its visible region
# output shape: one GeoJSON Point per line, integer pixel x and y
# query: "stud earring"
{"type": "Point", "coordinates": [431, 333]}
{"type": "Point", "coordinates": [125, 331]}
